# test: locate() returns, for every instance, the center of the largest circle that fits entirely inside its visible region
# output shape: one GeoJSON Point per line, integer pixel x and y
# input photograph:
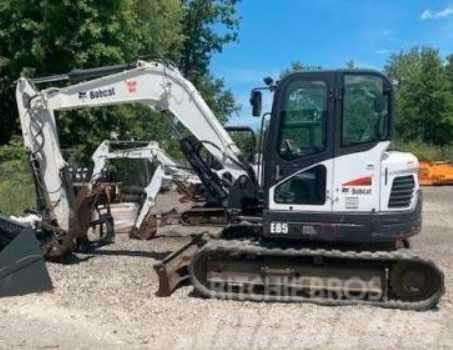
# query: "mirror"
{"type": "Point", "coordinates": [256, 100]}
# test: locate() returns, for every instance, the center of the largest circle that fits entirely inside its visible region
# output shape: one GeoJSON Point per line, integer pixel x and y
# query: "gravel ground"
{"type": "Point", "coordinates": [106, 301]}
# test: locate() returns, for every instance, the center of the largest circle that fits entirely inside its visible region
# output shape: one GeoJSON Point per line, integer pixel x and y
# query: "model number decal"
{"type": "Point", "coordinates": [279, 228]}
{"type": "Point", "coordinates": [352, 202]}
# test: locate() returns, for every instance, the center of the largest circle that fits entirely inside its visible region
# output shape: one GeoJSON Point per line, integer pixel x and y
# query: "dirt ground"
{"type": "Point", "coordinates": [106, 301]}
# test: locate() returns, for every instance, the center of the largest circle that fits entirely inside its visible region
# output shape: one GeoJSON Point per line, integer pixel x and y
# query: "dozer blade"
{"type": "Point", "coordinates": [173, 270]}
{"type": "Point", "coordinates": [22, 266]}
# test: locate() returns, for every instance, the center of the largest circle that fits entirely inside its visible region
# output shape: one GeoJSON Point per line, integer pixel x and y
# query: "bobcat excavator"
{"type": "Point", "coordinates": [328, 218]}
{"type": "Point", "coordinates": [159, 172]}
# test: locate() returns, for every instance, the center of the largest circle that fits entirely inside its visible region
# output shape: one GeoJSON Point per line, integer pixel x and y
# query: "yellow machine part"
{"type": "Point", "coordinates": [435, 173]}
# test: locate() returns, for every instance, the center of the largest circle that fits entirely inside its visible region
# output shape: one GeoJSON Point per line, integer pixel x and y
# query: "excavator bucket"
{"type": "Point", "coordinates": [22, 266]}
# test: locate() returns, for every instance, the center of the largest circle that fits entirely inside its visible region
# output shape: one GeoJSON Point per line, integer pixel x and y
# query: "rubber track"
{"type": "Point", "coordinates": [239, 247]}
{"type": "Point", "coordinates": [206, 211]}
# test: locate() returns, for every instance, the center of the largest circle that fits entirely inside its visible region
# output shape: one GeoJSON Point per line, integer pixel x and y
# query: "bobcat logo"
{"type": "Point", "coordinates": [131, 86]}
{"type": "Point", "coordinates": [95, 94]}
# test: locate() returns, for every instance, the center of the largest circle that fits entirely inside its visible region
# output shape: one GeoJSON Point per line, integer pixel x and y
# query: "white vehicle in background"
{"type": "Point", "coordinates": [131, 203]}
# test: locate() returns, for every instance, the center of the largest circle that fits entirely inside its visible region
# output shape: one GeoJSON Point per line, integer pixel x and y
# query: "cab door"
{"type": "Point", "coordinates": [299, 155]}
{"type": "Point", "coordinates": [361, 140]}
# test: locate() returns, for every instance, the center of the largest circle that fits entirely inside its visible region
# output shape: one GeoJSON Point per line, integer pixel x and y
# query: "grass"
{"type": "Point", "coordinates": [17, 192]}
{"type": "Point", "coordinates": [426, 152]}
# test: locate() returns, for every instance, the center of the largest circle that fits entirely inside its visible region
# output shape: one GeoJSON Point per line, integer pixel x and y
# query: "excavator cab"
{"type": "Point", "coordinates": [328, 174]}
{"type": "Point", "coordinates": [337, 207]}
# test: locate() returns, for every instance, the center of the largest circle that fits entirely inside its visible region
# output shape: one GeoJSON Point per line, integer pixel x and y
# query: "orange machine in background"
{"type": "Point", "coordinates": [435, 173]}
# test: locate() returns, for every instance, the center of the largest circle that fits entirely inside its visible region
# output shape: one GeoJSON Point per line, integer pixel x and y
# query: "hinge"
{"type": "Point", "coordinates": [277, 173]}
{"type": "Point", "coordinates": [331, 93]}
{"type": "Point", "coordinates": [338, 94]}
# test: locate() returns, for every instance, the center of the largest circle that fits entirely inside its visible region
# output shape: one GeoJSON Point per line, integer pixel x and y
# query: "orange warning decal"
{"type": "Point", "coordinates": [361, 181]}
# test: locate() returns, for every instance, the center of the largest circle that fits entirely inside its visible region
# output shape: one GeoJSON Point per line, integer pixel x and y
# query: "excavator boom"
{"type": "Point", "coordinates": [65, 216]}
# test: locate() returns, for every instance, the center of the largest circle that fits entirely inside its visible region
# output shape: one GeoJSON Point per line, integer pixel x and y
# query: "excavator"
{"type": "Point", "coordinates": [326, 214]}
{"type": "Point", "coordinates": [154, 171]}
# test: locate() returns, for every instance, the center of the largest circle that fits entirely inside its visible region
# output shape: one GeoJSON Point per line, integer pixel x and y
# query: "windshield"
{"type": "Point", "coordinates": [365, 109]}
{"type": "Point", "coordinates": [303, 119]}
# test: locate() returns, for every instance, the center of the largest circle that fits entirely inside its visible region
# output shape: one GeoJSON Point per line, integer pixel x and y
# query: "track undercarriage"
{"type": "Point", "coordinates": [241, 266]}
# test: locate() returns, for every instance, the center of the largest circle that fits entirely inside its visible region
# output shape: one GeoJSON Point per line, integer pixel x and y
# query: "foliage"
{"type": "Point", "coordinates": [57, 36]}
{"type": "Point", "coordinates": [201, 38]}
{"type": "Point", "coordinates": [82, 131]}
{"type": "Point", "coordinates": [298, 66]}
{"type": "Point", "coordinates": [13, 151]}
{"type": "Point", "coordinates": [350, 64]}
{"type": "Point", "coordinates": [16, 184]}
{"type": "Point", "coordinates": [16, 187]}
{"type": "Point", "coordinates": [424, 99]}
{"type": "Point", "coordinates": [130, 172]}
{"type": "Point", "coordinates": [209, 25]}
{"type": "Point", "coordinates": [449, 70]}
{"type": "Point", "coordinates": [425, 151]}
{"type": "Point", "coordinates": [295, 66]}
{"type": "Point", "coordinates": [220, 99]}
{"type": "Point", "coordinates": [245, 142]}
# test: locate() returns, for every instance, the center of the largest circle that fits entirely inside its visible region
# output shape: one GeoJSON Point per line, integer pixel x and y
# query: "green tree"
{"type": "Point", "coordinates": [298, 66]}
{"type": "Point", "coordinates": [295, 66]}
{"type": "Point", "coordinates": [202, 40]}
{"type": "Point", "coordinates": [449, 71]}
{"type": "Point", "coordinates": [208, 26]}
{"type": "Point", "coordinates": [424, 100]}
{"type": "Point", "coordinates": [50, 36]}
{"type": "Point", "coordinates": [350, 64]}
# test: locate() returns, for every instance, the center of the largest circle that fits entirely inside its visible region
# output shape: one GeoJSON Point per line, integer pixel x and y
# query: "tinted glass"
{"type": "Point", "coordinates": [365, 110]}
{"type": "Point", "coordinates": [303, 119]}
{"type": "Point", "coordinates": [307, 188]}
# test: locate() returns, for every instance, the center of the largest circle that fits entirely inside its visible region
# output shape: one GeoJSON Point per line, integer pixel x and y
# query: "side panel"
{"type": "Point", "coordinates": [400, 188]}
{"type": "Point", "coordinates": [357, 180]}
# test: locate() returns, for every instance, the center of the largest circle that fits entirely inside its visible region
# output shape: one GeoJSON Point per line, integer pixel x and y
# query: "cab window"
{"type": "Point", "coordinates": [308, 188]}
{"type": "Point", "coordinates": [365, 110]}
{"type": "Point", "coordinates": [303, 120]}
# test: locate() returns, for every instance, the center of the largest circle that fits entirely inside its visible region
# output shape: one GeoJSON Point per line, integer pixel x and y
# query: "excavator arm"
{"type": "Point", "coordinates": [156, 85]}
{"type": "Point", "coordinates": [159, 86]}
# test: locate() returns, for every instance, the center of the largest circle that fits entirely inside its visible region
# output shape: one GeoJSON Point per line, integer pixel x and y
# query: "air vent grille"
{"type": "Point", "coordinates": [402, 192]}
